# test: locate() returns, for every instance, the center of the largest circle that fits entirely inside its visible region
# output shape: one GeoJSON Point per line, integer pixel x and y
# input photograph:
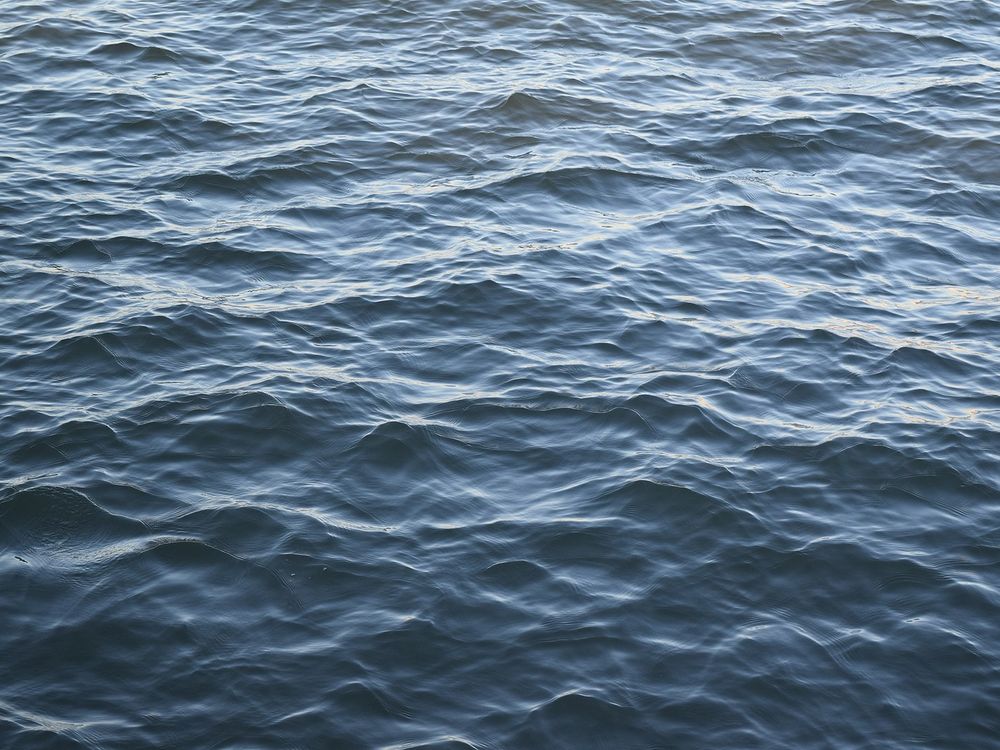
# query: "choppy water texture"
{"type": "Point", "coordinates": [494, 375]}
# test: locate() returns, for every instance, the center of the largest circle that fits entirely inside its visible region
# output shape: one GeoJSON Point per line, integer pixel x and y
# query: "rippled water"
{"type": "Point", "coordinates": [500, 375]}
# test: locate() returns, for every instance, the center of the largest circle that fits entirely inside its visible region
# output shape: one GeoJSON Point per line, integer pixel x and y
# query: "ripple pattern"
{"type": "Point", "coordinates": [500, 375]}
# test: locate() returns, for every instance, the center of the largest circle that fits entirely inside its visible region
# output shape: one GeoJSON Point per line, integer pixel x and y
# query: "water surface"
{"type": "Point", "coordinates": [499, 375]}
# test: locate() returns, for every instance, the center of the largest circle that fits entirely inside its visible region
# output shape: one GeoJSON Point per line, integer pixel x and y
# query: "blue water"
{"type": "Point", "coordinates": [454, 375]}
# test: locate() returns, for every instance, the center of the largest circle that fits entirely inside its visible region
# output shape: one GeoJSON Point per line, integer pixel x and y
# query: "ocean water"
{"type": "Point", "coordinates": [499, 375]}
